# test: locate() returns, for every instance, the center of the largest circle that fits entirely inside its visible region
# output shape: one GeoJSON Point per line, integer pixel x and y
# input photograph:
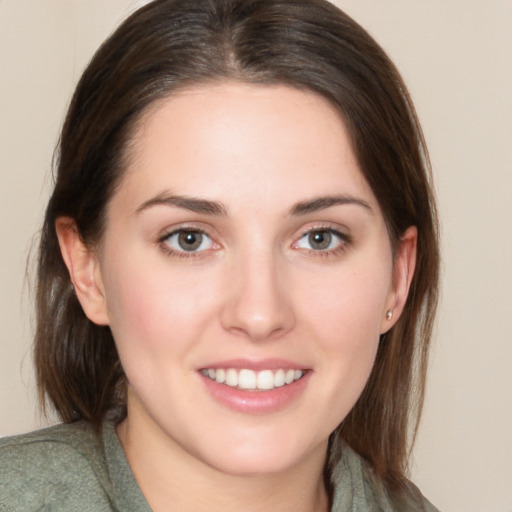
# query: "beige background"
{"type": "Point", "coordinates": [456, 56]}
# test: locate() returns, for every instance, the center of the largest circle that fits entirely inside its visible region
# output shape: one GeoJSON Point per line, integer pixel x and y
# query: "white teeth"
{"type": "Point", "coordinates": [249, 379]}
{"type": "Point", "coordinates": [290, 376]}
{"type": "Point", "coordinates": [265, 380]}
{"type": "Point", "coordinates": [279, 378]}
{"type": "Point", "coordinates": [232, 377]}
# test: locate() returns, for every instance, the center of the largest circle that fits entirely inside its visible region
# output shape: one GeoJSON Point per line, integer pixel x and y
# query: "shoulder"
{"type": "Point", "coordinates": [357, 488]}
{"type": "Point", "coordinates": [61, 467]}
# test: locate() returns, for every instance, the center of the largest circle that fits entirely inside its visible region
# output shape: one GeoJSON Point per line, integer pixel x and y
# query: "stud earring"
{"type": "Point", "coordinates": [389, 314]}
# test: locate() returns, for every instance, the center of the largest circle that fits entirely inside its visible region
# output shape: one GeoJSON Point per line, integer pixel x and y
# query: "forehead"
{"type": "Point", "coordinates": [240, 141]}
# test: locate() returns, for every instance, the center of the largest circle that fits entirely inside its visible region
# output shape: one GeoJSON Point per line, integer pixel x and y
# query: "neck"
{"type": "Point", "coordinates": [166, 473]}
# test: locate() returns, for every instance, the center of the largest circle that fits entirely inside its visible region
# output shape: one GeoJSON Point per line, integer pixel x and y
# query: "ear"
{"type": "Point", "coordinates": [84, 271]}
{"type": "Point", "coordinates": [403, 270]}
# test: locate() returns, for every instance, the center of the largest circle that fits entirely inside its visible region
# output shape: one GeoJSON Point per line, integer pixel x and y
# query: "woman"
{"type": "Point", "coordinates": [238, 271]}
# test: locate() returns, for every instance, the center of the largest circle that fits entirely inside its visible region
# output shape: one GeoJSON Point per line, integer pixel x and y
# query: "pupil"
{"type": "Point", "coordinates": [320, 239]}
{"type": "Point", "coordinates": [189, 241]}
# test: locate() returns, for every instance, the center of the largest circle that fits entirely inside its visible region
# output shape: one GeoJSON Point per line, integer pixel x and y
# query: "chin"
{"type": "Point", "coordinates": [263, 456]}
{"type": "Point", "coordinates": [263, 465]}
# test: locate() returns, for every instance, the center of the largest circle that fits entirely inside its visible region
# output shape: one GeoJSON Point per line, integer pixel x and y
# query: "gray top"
{"type": "Point", "coordinates": [70, 468]}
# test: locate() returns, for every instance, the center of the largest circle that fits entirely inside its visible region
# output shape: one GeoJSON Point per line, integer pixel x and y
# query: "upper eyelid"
{"type": "Point", "coordinates": [345, 240]}
{"type": "Point", "coordinates": [342, 231]}
{"type": "Point", "coordinates": [335, 228]}
{"type": "Point", "coordinates": [340, 234]}
{"type": "Point", "coordinates": [167, 232]}
{"type": "Point", "coordinates": [162, 242]}
{"type": "Point", "coordinates": [323, 228]}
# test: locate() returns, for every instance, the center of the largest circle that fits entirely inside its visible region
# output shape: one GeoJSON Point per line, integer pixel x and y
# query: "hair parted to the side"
{"type": "Point", "coordinates": [171, 44]}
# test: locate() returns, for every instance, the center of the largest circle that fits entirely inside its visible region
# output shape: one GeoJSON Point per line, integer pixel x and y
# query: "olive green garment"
{"type": "Point", "coordinates": [68, 468]}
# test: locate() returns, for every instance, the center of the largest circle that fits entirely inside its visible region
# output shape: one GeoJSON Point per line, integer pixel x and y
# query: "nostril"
{"type": "Point", "coordinates": [257, 305]}
{"type": "Point", "coordinates": [257, 322]}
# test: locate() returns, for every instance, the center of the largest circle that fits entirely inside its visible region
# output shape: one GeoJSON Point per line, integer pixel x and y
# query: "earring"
{"type": "Point", "coordinates": [389, 314]}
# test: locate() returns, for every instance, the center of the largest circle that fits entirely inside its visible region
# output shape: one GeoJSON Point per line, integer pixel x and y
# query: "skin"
{"type": "Point", "coordinates": [255, 289]}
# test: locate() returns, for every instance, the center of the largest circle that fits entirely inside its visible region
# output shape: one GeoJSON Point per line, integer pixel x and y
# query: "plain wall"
{"type": "Point", "coordinates": [456, 57]}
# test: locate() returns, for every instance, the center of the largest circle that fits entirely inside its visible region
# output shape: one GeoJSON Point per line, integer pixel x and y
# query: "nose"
{"type": "Point", "coordinates": [259, 303]}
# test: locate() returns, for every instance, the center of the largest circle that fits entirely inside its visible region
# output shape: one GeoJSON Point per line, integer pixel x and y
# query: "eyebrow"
{"type": "Point", "coordinates": [193, 204]}
{"type": "Point", "coordinates": [322, 203]}
{"type": "Point", "coordinates": [215, 208]}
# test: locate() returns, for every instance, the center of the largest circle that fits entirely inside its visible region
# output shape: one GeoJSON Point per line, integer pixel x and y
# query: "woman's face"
{"type": "Point", "coordinates": [245, 272]}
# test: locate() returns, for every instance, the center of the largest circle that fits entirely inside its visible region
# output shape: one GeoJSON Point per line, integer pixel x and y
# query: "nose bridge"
{"type": "Point", "coordinates": [258, 305]}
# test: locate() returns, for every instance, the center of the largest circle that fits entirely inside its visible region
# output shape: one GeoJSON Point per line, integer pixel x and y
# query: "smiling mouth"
{"type": "Point", "coordinates": [251, 380]}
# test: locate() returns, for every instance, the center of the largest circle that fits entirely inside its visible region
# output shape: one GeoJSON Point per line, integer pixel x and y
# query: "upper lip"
{"type": "Point", "coordinates": [255, 364]}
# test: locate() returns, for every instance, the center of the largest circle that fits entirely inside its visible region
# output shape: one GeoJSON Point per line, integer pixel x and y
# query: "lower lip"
{"type": "Point", "coordinates": [254, 401]}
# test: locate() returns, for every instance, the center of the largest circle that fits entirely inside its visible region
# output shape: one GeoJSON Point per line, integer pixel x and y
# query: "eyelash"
{"type": "Point", "coordinates": [344, 242]}
{"type": "Point", "coordinates": [163, 243]}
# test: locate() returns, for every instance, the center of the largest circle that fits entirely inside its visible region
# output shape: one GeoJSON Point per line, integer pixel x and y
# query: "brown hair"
{"type": "Point", "coordinates": [307, 44]}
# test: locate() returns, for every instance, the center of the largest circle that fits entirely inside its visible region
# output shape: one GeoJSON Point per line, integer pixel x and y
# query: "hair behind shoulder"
{"type": "Point", "coordinates": [172, 44]}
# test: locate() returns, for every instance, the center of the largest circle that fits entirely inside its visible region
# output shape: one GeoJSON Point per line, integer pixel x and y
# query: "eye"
{"type": "Point", "coordinates": [326, 240]}
{"type": "Point", "coordinates": [188, 241]}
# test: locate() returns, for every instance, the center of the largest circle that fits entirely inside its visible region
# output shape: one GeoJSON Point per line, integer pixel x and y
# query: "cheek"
{"type": "Point", "coordinates": [155, 311]}
{"type": "Point", "coordinates": [345, 317]}
{"type": "Point", "coordinates": [348, 305]}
